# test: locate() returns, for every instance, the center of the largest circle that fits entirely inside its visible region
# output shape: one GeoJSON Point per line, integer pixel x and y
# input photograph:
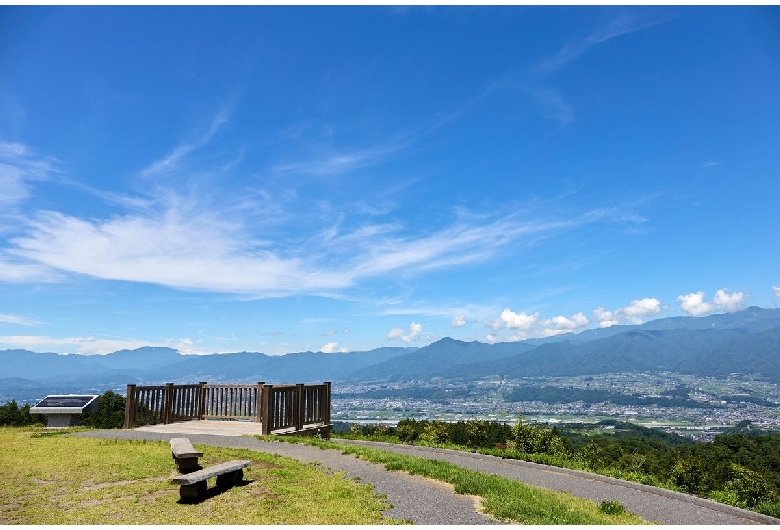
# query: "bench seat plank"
{"type": "Point", "coordinates": [182, 448]}
{"type": "Point", "coordinates": [213, 471]}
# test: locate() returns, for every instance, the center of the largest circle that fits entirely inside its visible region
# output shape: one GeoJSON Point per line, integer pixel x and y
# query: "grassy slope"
{"type": "Point", "coordinates": [70, 480]}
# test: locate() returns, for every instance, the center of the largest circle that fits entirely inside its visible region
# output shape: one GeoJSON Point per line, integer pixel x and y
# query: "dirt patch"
{"type": "Point", "coordinates": [150, 497]}
{"type": "Point", "coordinates": [256, 488]}
{"type": "Point", "coordinates": [41, 482]}
{"type": "Point", "coordinates": [96, 502]}
{"type": "Point", "coordinates": [259, 464]}
{"type": "Point", "coordinates": [91, 486]}
{"type": "Point", "coordinates": [101, 485]}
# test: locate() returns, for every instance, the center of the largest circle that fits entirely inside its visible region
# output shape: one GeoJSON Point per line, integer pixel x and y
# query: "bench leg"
{"type": "Point", "coordinates": [187, 465]}
{"type": "Point", "coordinates": [193, 492]}
{"type": "Point", "coordinates": [230, 479]}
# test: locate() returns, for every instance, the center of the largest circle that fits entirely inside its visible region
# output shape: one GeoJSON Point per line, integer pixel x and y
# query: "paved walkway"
{"type": "Point", "coordinates": [424, 501]}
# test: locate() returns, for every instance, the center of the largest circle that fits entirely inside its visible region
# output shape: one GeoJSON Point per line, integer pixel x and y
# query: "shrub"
{"type": "Point", "coordinates": [406, 433]}
{"type": "Point", "coordinates": [535, 439]}
{"type": "Point", "coordinates": [612, 508]}
{"type": "Point", "coordinates": [750, 487]}
{"type": "Point", "coordinates": [690, 474]}
{"type": "Point", "coordinates": [436, 432]}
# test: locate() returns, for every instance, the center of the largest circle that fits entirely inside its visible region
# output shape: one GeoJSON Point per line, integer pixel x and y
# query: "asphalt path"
{"type": "Point", "coordinates": [425, 501]}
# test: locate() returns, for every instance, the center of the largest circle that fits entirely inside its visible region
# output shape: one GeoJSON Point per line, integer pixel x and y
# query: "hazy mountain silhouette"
{"type": "Point", "coordinates": [746, 341]}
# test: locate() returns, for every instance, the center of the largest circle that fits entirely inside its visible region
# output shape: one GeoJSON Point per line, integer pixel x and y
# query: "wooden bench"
{"type": "Point", "coordinates": [185, 455]}
{"type": "Point", "coordinates": [192, 486]}
{"type": "Point", "coordinates": [192, 481]}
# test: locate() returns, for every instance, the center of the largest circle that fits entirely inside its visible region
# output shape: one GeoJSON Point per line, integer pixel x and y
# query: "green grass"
{"type": "Point", "coordinates": [51, 479]}
{"type": "Point", "coordinates": [506, 499]}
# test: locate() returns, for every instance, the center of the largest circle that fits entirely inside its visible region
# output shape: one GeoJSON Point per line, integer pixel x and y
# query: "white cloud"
{"type": "Point", "coordinates": [187, 245]}
{"type": "Point", "coordinates": [458, 321]}
{"type": "Point", "coordinates": [694, 303]}
{"type": "Point", "coordinates": [90, 345]}
{"type": "Point", "coordinates": [329, 333]}
{"type": "Point", "coordinates": [520, 320]}
{"type": "Point", "coordinates": [562, 323]}
{"type": "Point", "coordinates": [729, 302]}
{"type": "Point", "coordinates": [776, 290]}
{"type": "Point", "coordinates": [605, 318]}
{"type": "Point", "coordinates": [635, 313]}
{"type": "Point", "coordinates": [14, 319]}
{"type": "Point", "coordinates": [332, 347]}
{"type": "Point", "coordinates": [415, 330]}
{"type": "Point", "coordinates": [639, 309]}
{"type": "Point", "coordinates": [187, 251]}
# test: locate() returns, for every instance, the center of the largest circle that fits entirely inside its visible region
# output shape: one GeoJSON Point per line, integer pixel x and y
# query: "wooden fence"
{"type": "Point", "coordinates": [287, 408]}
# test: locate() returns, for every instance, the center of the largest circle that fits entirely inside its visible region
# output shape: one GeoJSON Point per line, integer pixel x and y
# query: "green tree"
{"type": "Point", "coordinates": [109, 415]}
{"type": "Point", "coordinates": [12, 415]}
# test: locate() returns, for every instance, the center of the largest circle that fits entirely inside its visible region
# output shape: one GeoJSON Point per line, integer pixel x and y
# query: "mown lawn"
{"type": "Point", "coordinates": [52, 479]}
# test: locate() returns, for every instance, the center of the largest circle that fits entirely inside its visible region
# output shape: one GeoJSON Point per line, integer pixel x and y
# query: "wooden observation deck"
{"type": "Point", "coordinates": [280, 409]}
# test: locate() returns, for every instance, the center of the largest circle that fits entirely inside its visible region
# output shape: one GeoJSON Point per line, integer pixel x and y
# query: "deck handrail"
{"type": "Point", "coordinates": [281, 407]}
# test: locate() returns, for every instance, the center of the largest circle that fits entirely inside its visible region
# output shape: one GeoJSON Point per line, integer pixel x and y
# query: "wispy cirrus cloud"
{"type": "Point", "coordinates": [21, 321]}
{"type": "Point", "coordinates": [23, 271]}
{"type": "Point", "coordinates": [173, 160]}
{"type": "Point", "coordinates": [198, 252]}
{"type": "Point", "coordinates": [337, 162]}
{"type": "Point", "coordinates": [19, 167]}
{"type": "Point", "coordinates": [615, 27]}
{"type": "Point", "coordinates": [91, 345]}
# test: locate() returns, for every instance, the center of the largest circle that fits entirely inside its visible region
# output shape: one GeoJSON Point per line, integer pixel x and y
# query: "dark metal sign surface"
{"type": "Point", "coordinates": [65, 401]}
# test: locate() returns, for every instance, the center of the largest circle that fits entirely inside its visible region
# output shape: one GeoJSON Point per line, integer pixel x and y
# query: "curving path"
{"type": "Point", "coordinates": [424, 501]}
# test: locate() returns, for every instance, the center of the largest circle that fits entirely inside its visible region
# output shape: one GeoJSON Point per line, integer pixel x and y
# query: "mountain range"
{"type": "Point", "coordinates": [746, 342]}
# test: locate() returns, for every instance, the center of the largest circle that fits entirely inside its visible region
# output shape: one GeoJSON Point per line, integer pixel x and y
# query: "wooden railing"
{"type": "Point", "coordinates": [278, 407]}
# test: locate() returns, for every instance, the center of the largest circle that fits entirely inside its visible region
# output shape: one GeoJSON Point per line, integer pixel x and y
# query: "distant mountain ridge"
{"type": "Point", "coordinates": [747, 341]}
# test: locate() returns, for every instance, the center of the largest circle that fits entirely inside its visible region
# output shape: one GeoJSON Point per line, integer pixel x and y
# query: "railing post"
{"type": "Point", "coordinates": [201, 400]}
{"type": "Point", "coordinates": [299, 407]}
{"type": "Point", "coordinates": [129, 407]}
{"type": "Point", "coordinates": [267, 405]}
{"type": "Point", "coordinates": [259, 411]}
{"type": "Point", "coordinates": [168, 403]}
{"type": "Point", "coordinates": [326, 416]}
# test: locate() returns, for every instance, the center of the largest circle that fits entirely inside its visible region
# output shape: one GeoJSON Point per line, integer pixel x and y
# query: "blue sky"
{"type": "Point", "coordinates": [282, 179]}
